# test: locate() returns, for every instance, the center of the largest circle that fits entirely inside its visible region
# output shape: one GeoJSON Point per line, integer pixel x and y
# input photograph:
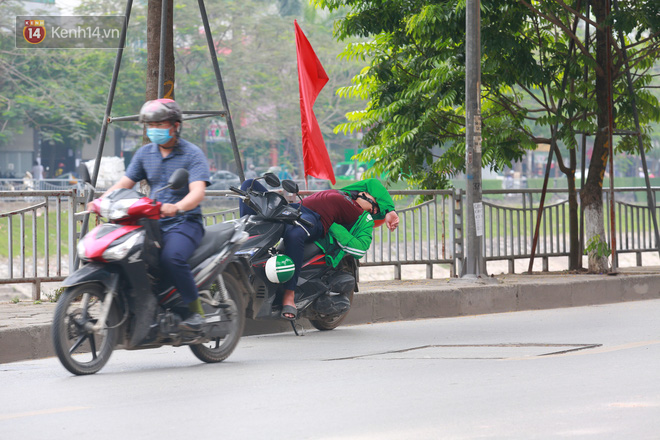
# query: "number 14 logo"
{"type": "Point", "coordinates": [34, 31]}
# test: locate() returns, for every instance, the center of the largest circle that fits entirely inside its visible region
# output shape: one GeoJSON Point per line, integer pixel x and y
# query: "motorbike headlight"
{"type": "Point", "coordinates": [120, 250]}
{"type": "Point", "coordinates": [82, 251]}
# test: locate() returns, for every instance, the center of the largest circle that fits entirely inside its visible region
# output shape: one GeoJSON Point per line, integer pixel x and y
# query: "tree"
{"type": "Point", "coordinates": [534, 89]}
{"type": "Point", "coordinates": [255, 46]}
{"type": "Point", "coordinates": [59, 92]}
{"type": "Point", "coordinates": [154, 12]}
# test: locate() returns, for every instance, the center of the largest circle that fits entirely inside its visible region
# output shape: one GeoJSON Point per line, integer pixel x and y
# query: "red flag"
{"type": "Point", "coordinates": [311, 79]}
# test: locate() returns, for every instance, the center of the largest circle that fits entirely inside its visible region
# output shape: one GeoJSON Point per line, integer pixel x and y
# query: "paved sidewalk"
{"type": "Point", "coordinates": [25, 327]}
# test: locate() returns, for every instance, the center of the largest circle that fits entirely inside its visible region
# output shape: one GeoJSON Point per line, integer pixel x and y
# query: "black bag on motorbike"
{"type": "Point", "coordinates": [151, 249]}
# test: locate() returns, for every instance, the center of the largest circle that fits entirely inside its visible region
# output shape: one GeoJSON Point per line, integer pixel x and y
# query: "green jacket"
{"type": "Point", "coordinates": [376, 189]}
{"type": "Point", "coordinates": [339, 241]}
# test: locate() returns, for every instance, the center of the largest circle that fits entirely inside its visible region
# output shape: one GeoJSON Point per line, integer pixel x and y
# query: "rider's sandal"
{"type": "Point", "coordinates": [289, 310]}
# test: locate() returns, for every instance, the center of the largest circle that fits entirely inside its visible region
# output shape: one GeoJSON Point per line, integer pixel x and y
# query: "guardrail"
{"type": "Point", "coordinates": [55, 184]}
{"type": "Point", "coordinates": [40, 232]}
{"type": "Point", "coordinates": [429, 233]}
{"type": "Point", "coordinates": [509, 227]}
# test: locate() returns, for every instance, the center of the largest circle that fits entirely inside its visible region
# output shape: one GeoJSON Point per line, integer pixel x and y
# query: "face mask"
{"type": "Point", "coordinates": [159, 136]}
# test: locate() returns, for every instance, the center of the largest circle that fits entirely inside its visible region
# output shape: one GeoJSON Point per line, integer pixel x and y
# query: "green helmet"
{"type": "Point", "coordinates": [279, 268]}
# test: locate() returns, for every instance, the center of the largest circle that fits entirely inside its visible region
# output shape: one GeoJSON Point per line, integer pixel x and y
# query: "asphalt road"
{"type": "Point", "coordinates": [587, 373]}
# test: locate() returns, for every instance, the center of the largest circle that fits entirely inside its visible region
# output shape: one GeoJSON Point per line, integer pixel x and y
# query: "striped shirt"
{"type": "Point", "coordinates": [148, 163]}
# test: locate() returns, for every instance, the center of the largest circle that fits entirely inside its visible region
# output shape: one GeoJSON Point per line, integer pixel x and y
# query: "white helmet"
{"type": "Point", "coordinates": [279, 268]}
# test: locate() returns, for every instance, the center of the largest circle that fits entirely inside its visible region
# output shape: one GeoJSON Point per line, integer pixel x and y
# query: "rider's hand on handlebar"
{"type": "Point", "coordinates": [90, 206]}
{"type": "Point", "coordinates": [168, 210]}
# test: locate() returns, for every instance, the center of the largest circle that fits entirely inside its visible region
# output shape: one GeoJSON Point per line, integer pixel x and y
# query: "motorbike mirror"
{"type": "Point", "coordinates": [272, 180]}
{"type": "Point", "coordinates": [290, 186]}
{"type": "Point", "coordinates": [83, 172]}
{"type": "Point", "coordinates": [178, 179]}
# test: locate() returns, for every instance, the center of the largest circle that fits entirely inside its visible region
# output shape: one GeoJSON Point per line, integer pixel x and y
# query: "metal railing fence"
{"type": "Point", "coordinates": [634, 230]}
{"type": "Point", "coordinates": [425, 236]}
{"type": "Point", "coordinates": [40, 234]}
{"type": "Point", "coordinates": [429, 233]}
{"type": "Point", "coordinates": [510, 224]}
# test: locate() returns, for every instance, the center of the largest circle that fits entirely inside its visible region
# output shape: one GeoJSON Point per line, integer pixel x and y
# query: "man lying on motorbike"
{"type": "Point", "coordinates": [181, 234]}
{"type": "Point", "coordinates": [345, 217]}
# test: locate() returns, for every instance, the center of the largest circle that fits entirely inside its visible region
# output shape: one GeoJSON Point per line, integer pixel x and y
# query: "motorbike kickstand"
{"type": "Point", "coordinates": [295, 330]}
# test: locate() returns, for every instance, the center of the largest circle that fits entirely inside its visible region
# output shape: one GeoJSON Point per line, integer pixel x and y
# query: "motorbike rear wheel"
{"type": "Point", "coordinates": [81, 350]}
{"type": "Point", "coordinates": [219, 349]}
{"type": "Point", "coordinates": [331, 322]}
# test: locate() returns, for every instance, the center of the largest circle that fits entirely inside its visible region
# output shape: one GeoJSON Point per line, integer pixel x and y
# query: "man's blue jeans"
{"type": "Point", "coordinates": [179, 243]}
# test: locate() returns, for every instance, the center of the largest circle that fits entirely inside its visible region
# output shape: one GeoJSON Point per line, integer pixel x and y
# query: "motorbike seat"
{"type": "Point", "coordinates": [214, 237]}
{"type": "Point", "coordinates": [310, 250]}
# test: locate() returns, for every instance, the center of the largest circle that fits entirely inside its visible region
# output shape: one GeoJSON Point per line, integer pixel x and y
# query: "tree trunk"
{"type": "Point", "coordinates": [153, 58]}
{"type": "Point", "coordinates": [153, 50]}
{"type": "Point", "coordinates": [592, 193]}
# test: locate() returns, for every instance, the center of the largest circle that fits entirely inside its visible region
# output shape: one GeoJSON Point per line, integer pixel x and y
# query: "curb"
{"type": "Point", "coordinates": [417, 299]}
{"type": "Point", "coordinates": [452, 300]}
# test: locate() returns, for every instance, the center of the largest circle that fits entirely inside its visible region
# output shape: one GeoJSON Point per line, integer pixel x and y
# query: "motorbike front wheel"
{"type": "Point", "coordinates": [219, 349]}
{"type": "Point", "coordinates": [80, 349]}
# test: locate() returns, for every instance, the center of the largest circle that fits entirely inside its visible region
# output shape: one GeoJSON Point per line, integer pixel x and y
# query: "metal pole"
{"type": "Point", "coordinates": [650, 197]}
{"type": "Point", "coordinates": [475, 264]}
{"type": "Point", "coordinates": [610, 137]}
{"type": "Point", "coordinates": [221, 89]}
{"type": "Point", "coordinates": [584, 140]}
{"type": "Point", "coordinates": [161, 53]}
{"type": "Point", "coordinates": [106, 118]}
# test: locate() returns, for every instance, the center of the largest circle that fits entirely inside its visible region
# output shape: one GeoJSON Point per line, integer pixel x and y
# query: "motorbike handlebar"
{"type": "Point", "coordinates": [306, 222]}
{"type": "Point", "coordinates": [237, 190]}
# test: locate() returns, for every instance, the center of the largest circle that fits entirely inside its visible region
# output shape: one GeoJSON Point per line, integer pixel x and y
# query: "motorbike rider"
{"type": "Point", "coordinates": [181, 234]}
{"type": "Point", "coordinates": [374, 186]}
{"type": "Point", "coordinates": [332, 213]}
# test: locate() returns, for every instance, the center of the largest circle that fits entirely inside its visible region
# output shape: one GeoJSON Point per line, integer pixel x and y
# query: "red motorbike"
{"type": "Point", "coordinates": [116, 296]}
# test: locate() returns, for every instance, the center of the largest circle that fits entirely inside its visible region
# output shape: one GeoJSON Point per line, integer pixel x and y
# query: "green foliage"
{"type": "Point", "coordinates": [595, 246]}
{"type": "Point", "coordinates": [61, 93]}
{"type": "Point", "coordinates": [55, 294]}
{"type": "Point", "coordinates": [256, 51]}
{"type": "Point", "coordinates": [533, 81]}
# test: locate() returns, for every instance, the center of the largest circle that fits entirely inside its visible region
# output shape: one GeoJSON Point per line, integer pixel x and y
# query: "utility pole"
{"type": "Point", "coordinates": [474, 265]}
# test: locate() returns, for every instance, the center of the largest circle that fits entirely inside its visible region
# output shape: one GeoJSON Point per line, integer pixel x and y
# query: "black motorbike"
{"type": "Point", "coordinates": [323, 294]}
{"type": "Point", "coordinates": [118, 297]}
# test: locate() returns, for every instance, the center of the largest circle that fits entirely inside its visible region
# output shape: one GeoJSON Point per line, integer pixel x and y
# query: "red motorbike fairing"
{"type": "Point", "coordinates": [102, 236]}
{"type": "Point", "coordinates": [145, 208]}
{"type": "Point", "coordinates": [318, 260]}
